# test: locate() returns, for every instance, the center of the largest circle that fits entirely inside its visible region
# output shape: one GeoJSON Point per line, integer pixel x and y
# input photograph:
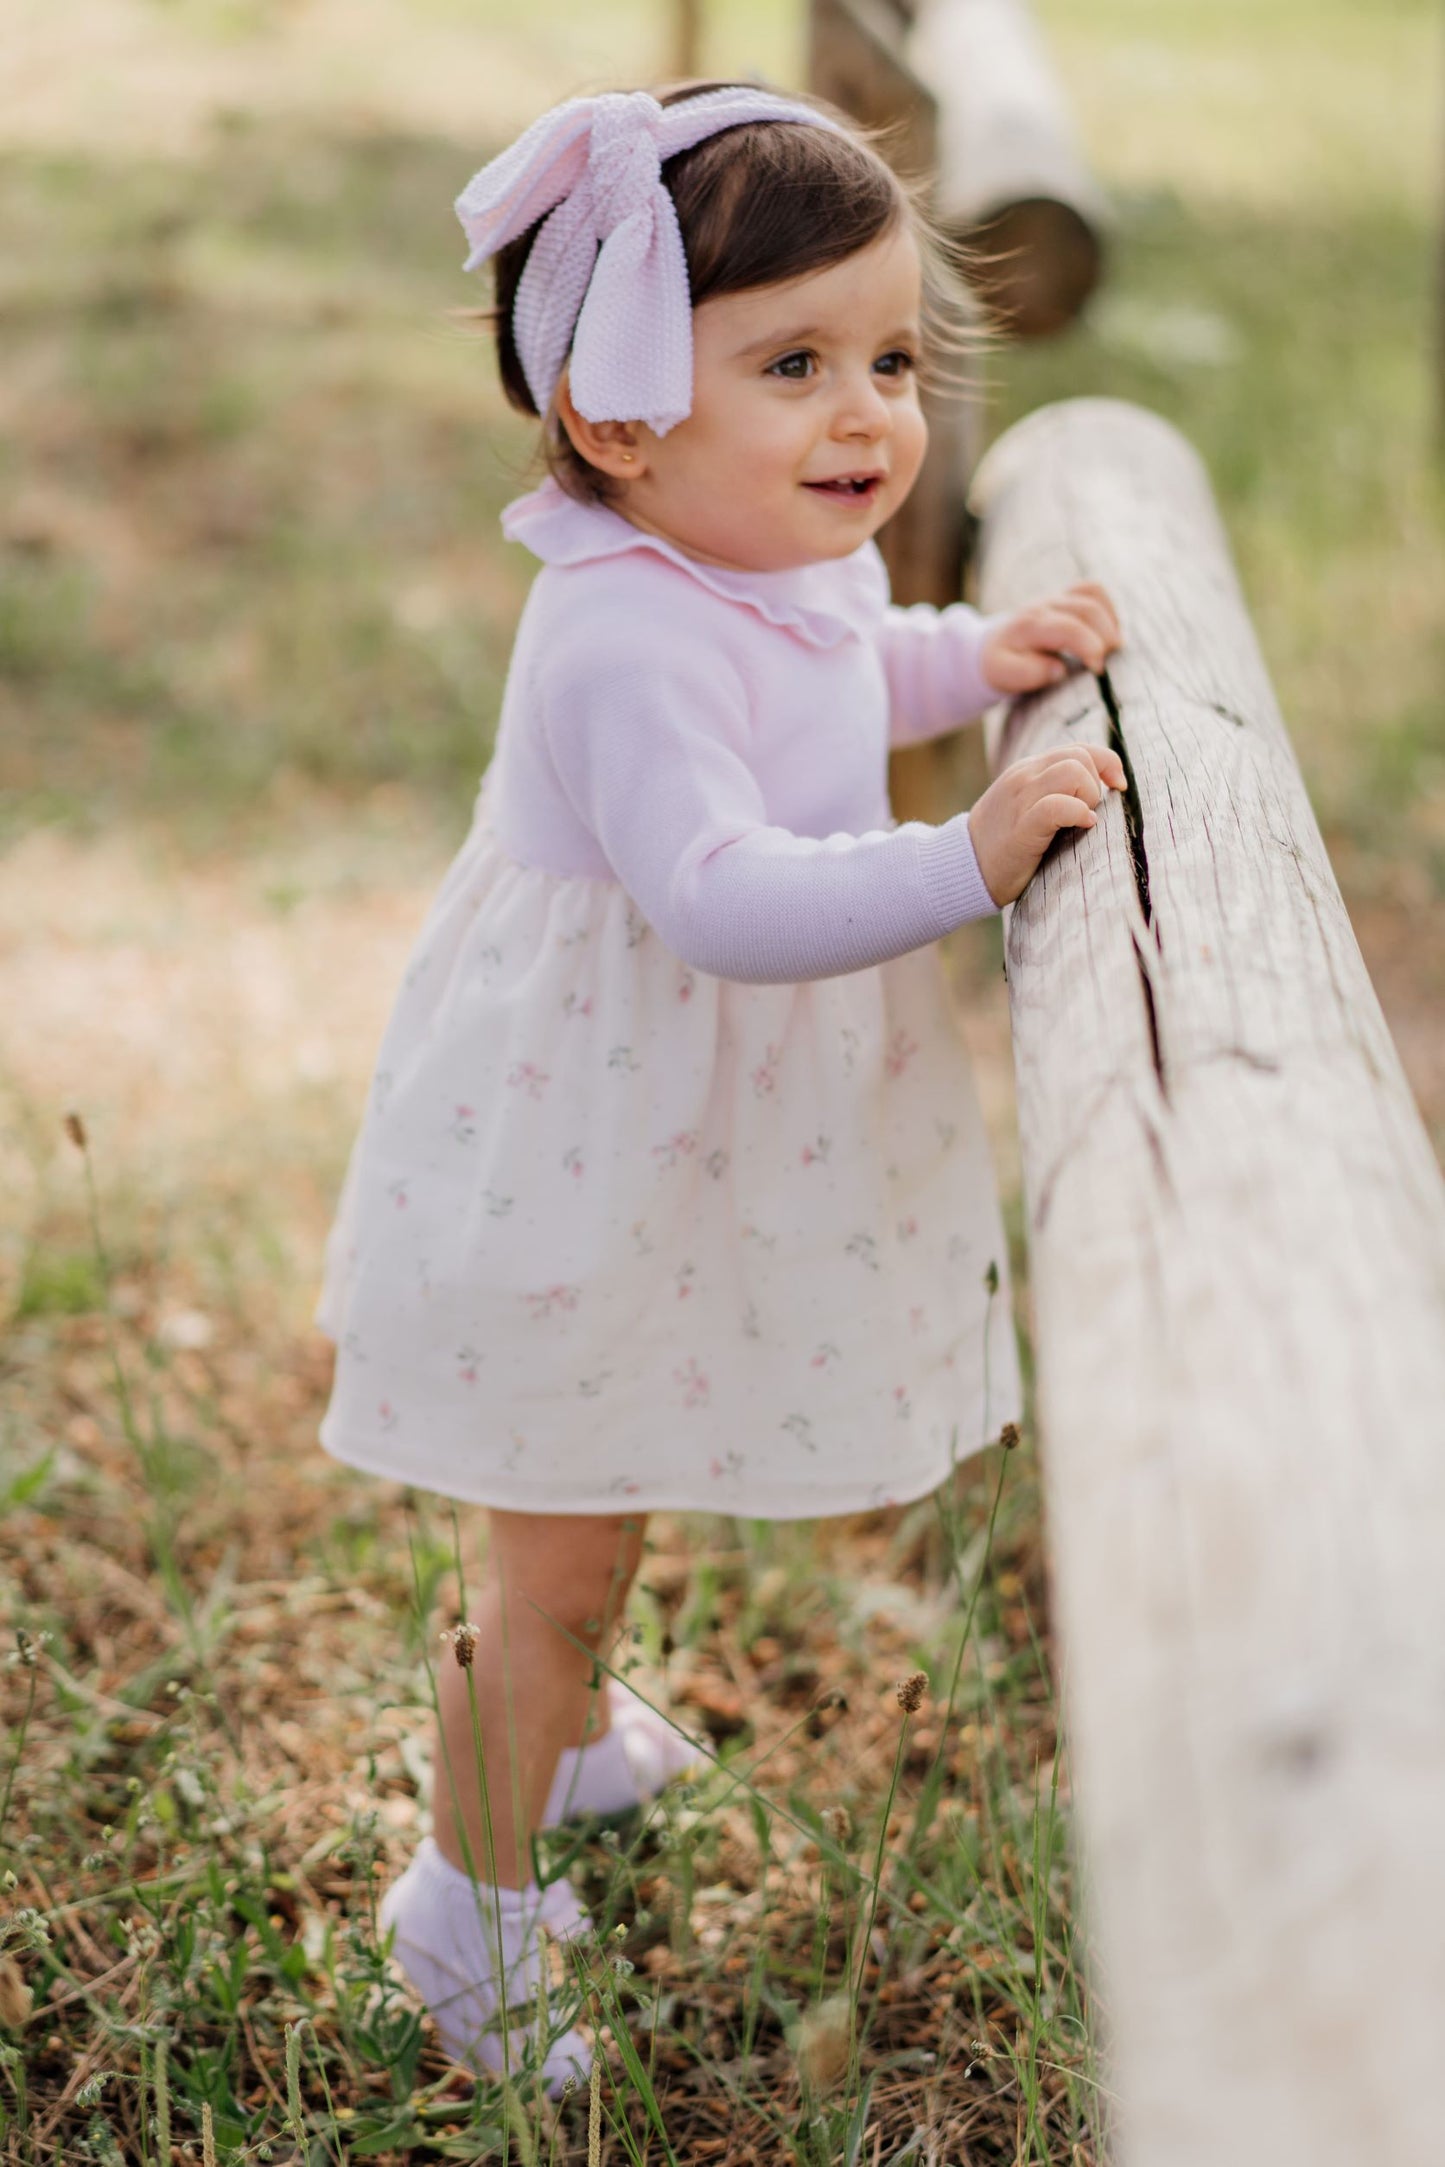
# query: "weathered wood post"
{"type": "Point", "coordinates": [686, 37]}
{"type": "Point", "coordinates": [1012, 182]}
{"type": "Point", "coordinates": [1237, 1237]}
{"type": "Point", "coordinates": [855, 60]}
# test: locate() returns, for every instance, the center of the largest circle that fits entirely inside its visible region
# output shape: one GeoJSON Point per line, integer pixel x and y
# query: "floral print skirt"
{"type": "Point", "coordinates": [619, 1235]}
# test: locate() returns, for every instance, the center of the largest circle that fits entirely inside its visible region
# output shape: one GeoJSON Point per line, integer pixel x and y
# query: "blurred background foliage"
{"type": "Point", "coordinates": [251, 462]}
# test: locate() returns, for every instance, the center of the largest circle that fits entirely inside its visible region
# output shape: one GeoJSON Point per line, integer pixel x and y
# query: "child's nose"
{"type": "Point", "coordinates": [862, 410]}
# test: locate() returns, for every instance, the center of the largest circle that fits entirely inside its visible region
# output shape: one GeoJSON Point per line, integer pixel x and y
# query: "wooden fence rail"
{"type": "Point", "coordinates": [1237, 1236]}
{"type": "Point", "coordinates": [1012, 181]}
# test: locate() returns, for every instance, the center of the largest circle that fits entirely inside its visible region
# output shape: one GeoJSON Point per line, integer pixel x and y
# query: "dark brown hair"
{"type": "Point", "coordinates": [756, 204]}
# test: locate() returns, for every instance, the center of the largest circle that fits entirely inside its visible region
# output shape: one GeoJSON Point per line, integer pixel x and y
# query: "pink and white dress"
{"type": "Point", "coordinates": [673, 1190]}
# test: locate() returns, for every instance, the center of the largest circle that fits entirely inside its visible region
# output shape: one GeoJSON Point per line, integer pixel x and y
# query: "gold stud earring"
{"type": "Point", "coordinates": [628, 457]}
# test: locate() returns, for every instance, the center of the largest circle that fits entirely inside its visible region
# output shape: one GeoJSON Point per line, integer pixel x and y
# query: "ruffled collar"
{"type": "Point", "coordinates": [823, 603]}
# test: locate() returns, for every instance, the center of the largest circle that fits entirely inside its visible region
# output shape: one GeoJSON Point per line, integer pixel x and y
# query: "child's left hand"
{"type": "Point", "coordinates": [1025, 652]}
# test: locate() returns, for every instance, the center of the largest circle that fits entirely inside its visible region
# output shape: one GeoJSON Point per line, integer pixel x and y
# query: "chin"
{"type": "Point", "coordinates": [843, 544]}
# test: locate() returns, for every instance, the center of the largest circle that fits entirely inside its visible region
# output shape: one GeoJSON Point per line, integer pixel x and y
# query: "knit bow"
{"type": "Point", "coordinates": [606, 275]}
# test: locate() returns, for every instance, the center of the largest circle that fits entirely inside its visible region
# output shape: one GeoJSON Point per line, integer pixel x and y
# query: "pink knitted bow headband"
{"type": "Point", "coordinates": [606, 275]}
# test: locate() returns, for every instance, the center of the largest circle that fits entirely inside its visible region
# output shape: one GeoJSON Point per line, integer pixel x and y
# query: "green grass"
{"type": "Point", "coordinates": [222, 1894]}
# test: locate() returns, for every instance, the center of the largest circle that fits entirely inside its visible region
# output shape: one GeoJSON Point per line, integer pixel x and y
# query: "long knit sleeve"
{"type": "Point", "coordinates": [933, 662]}
{"type": "Point", "coordinates": [653, 759]}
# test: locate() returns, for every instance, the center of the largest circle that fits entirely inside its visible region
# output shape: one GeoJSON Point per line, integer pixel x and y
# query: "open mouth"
{"type": "Point", "coordinates": [848, 488]}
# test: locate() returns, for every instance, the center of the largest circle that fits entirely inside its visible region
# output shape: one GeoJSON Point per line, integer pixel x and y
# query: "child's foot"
{"type": "Point", "coordinates": [631, 1762]}
{"type": "Point", "coordinates": [447, 1945]}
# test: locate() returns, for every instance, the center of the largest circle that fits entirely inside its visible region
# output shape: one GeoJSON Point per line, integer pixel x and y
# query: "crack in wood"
{"type": "Point", "coordinates": [1139, 862]}
{"type": "Point", "coordinates": [1151, 1016]}
{"type": "Point", "coordinates": [1133, 804]}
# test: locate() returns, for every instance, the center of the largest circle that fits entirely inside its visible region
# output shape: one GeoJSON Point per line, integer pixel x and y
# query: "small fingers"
{"type": "Point", "coordinates": [1064, 811]}
{"type": "Point", "coordinates": [1070, 767]}
{"type": "Point", "coordinates": [1060, 631]}
{"type": "Point", "coordinates": [1109, 765]}
{"type": "Point", "coordinates": [1094, 603]}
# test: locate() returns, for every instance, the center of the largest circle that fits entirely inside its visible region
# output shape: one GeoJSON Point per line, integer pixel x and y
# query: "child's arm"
{"type": "Point", "coordinates": [945, 666]}
{"type": "Point", "coordinates": [653, 757]}
{"type": "Point", "coordinates": [933, 662]}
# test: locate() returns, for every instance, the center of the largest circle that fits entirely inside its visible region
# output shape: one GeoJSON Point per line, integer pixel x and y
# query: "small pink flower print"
{"type": "Point", "coordinates": [685, 985]}
{"type": "Point", "coordinates": [801, 1427]}
{"type": "Point", "coordinates": [387, 1415]}
{"type": "Point", "coordinates": [696, 1388]}
{"type": "Point", "coordinates": [864, 1248]}
{"type": "Point", "coordinates": [850, 1042]}
{"type": "Point", "coordinates": [824, 1356]}
{"type": "Point", "coordinates": [949, 1361]}
{"type": "Point", "coordinates": [464, 1123]}
{"type": "Point", "coordinates": [572, 1006]}
{"type": "Point", "coordinates": [572, 1162]}
{"type": "Point", "coordinates": [716, 1163]}
{"type": "Point", "coordinates": [680, 1146]}
{"type": "Point", "coordinates": [765, 1075]}
{"type": "Point", "coordinates": [623, 1486]}
{"type": "Point", "coordinates": [686, 1273]}
{"type": "Point", "coordinates": [636, 927]}
{"type": "Point", "coordinates": [552, 1299]}
{"type": "Point", "coordinates": [752, 1329]}
{"type": "Point", "coordinates": [623, 1057]}
{"type": "Point", "coordinates": [817, 1151]}
{"type": "Point", "coordinates": [467, 1375]}
{"type": "Point", "coordinates": [731, 1463]}
{"type": "Point", "coordinates": [901, 1049]}
{"type": "Point", "coordinates": [526, 1076]}
{"type": "Point", "coordinates": [397, 1191]}
{"type": "Point", "coordinates": [907, 1228]}
{"type": "Point", "coordinates": [918, 1319]}
{"type": "Point", "coordinates": [902, 1405]}
{"type": "Point", "coordinates": [750, 1233]}
{"type": "Point", "coordinates": [643, 1247]}
{"type": "Point", "coordinates": [590, 1387]}
{"type": "Point", "coordinates": [497, 1205]}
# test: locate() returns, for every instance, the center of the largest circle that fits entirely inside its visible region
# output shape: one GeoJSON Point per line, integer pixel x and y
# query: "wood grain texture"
{"type": "Point", "coordinates": [1237, 1234]}
{"type": "Point", "coordinates": [1012, 180]}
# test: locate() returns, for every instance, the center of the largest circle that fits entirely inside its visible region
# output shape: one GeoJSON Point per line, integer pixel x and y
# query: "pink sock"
{"type": "Point", "coordinates": [630, 1763]}
{"type": "Point", "coordinates": [448, 1945]}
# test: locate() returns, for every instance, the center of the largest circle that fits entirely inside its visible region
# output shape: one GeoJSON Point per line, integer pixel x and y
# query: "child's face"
{"type": "Point", "coordinates": [805, 432]}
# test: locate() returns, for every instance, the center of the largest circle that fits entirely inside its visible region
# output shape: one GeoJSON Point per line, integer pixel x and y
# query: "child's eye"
{"type": "Point", "coordinates": [794, 366]}
{"type": "Point", "coordinates": [897, 363]}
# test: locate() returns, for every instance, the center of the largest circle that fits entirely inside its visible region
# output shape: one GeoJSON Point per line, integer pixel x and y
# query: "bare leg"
{"type": "Point", "coordinates": [571, 1568]}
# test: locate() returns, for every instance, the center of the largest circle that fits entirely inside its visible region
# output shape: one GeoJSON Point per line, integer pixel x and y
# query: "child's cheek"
{"type": "Point", "coordinates": [912, 441]}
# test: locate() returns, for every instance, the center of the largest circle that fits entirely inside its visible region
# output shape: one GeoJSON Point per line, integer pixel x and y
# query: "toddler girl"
{"type": "Point", "coordinates": [672, 1190]}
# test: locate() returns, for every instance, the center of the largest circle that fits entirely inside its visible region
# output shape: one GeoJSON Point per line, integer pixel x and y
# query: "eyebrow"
{"type": "Point", "coordinates": [804, 332]}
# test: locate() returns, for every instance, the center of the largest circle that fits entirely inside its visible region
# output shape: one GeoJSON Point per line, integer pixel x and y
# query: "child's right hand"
{"type": "Point", "coordinates": [1019, 814]}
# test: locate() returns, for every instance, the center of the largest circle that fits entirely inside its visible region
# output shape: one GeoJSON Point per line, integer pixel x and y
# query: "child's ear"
{"type": "Point", "coordinates": [613, 447]}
